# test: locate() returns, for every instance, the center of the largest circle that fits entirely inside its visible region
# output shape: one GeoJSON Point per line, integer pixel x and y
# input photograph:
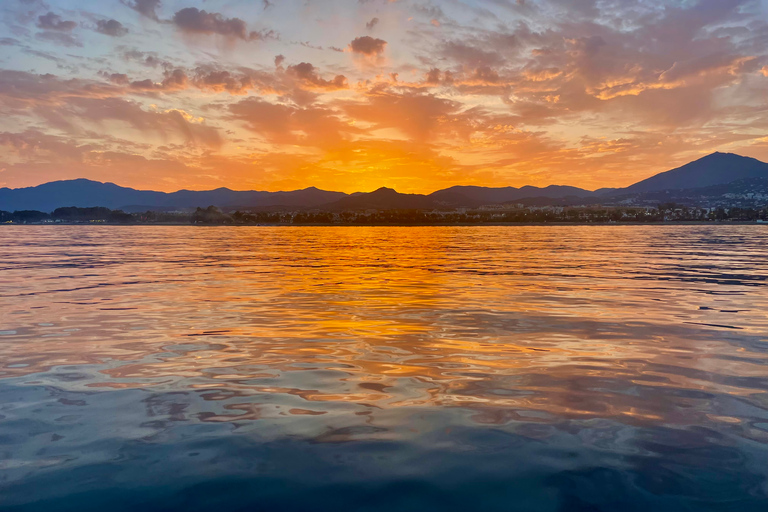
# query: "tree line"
{"type": "Point", "coordinates": [68, 214]}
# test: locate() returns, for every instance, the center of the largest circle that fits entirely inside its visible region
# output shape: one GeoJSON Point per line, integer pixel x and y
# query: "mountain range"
{"type": "Point", "coordinates": [710, 171]}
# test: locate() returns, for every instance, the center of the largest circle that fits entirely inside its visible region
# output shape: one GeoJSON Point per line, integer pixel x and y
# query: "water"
{"type": "Point", "coordinates": [384, 369]}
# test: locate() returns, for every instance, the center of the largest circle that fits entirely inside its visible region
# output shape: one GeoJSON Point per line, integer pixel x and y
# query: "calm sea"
{"type": "Point", "coordinates": [619, 368]}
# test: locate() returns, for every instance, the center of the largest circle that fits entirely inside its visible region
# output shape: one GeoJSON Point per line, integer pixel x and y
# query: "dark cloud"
{"type": "Point", "coordinates": [146, 59]}
{"type": "Point", "coordinates": [52, 21]}
{"type": "Point", "coordinates": [368, 46]}
{"type": "Point", "coordinates": [219, 80]}
{"type": "Point", "coordinates": [115, 78]}
{"type": "Point", "coordinates": [371, 24]}
{"type": "Point", "coordinates": [307, 73]}
{"type": "Point", "coordinates": [194, 21]}
{"type": "Point", "coordinates": [173, 80]}
{"type": "Point", "coordinates": [147, 8]}
{"type": "Point", "coordinates": [212, 79]}
{"type": "Point", "coordinates": [432, 76]}
{"type": "Point", "coordinates": [437, 77]}
{"type": "Point", "coordinates": [262, 35]}
{"type": "Point", "coordinates": [307, 44]}
{"type": "Point", "coordinates": [111, 28]}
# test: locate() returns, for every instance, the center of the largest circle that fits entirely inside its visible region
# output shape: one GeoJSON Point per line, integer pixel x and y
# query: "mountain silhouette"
{"type": "Point", "coordinates": [385, 199]}
{"type": "Point", "coordinates": [86, 193]}
{"type": "Point", "coordinates": [712, 170]}
{"type": "Point", "coordinates": [715, 169]}
{"type": "Point", "coordinates": [488, 195]}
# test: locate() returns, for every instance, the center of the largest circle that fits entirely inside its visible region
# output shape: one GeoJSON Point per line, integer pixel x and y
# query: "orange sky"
{"type": "Point", "coordinates": [357, 94]}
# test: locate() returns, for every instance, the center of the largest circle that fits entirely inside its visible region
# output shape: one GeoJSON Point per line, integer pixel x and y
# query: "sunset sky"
{"type": "Point", "coordinates": [352, 95]}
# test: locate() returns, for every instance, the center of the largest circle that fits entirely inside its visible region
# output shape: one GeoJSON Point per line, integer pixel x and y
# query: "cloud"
{"type": "Point", "coordinates": [707, 65]}
{"type": "Point", "coordinates": [20, 91]}
{"type": "Point", "coordinates": [470, 56]}
{"type": "Point", "coordinates": [307, 73]}
{"type": "Point", "coordinates": [368, 46]}
{"type": "Point", "coordinates": [53, 21]}
{"type": "Point", "coordinates": [111, 28]}
{"type": "Point", "coordinates": [194, 21]}
{"type": "Point", "coordinates": [147, 8]}
{"type": "Point", "coordinates": [371, 24]}
{"type": "Point", "coordinates": [59, 38]}
{"type": "Point", "coordinates": [436, 77]}
{"type": "Point", "coordinates": [173, 80]}
{"type": "Point", "coordinates": [237, 83]}
{"type": "Point", "coordinates": [288, 124]}
{"type": "Point", "coordinates": [171, 122]}
{"type": "Point", "coordinates": [118, 78]}
{"type": "Point", "coordinates": [263, 35]}
{"type": "Point", "coordinates": [486, 75]}
{"type": "Point", "coordinates": [36, 145]}
{"type": "Point", "coordinates": [72, 105]}
{"type": "Point", "coordinates": [420, 117]}
{"type": "Point", "coordinates": [148, 59]}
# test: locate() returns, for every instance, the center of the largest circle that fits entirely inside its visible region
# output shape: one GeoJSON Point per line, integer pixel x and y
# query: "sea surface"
{"type": "Point", "coordinates": [551, 368]}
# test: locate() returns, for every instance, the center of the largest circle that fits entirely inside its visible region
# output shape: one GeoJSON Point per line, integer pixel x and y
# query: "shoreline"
{"type": "Point", "coordinates": [491, 224]}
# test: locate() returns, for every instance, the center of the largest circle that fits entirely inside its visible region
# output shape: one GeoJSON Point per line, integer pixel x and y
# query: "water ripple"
{"type": "Point", "coordinates": [474, 368]}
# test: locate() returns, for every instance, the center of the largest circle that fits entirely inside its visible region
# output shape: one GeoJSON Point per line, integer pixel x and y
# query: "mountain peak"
{"type": "Point", "coordinates": [714, 169]}
{"type": "Point", "coordinates": [721, 155]}
{"type": "Point", "coordinates": [384, 190]}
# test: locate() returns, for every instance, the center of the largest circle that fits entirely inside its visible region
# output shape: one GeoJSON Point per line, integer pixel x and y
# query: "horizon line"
{"type": "Point", "coordinates": [374, 190]}
{"type": "Point", "coordinates": [298, 189]}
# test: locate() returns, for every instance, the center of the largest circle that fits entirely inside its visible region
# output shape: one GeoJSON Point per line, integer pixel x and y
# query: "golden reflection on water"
{"type": "Point", "coordinates": [640, 324]}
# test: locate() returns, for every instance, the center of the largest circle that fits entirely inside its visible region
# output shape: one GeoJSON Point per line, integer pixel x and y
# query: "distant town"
{"type": "Point", "coordinates": [492, 214]}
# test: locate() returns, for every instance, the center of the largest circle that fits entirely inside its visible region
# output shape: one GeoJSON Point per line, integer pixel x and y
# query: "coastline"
{"type": "Point", "coordinates": [415, 225]}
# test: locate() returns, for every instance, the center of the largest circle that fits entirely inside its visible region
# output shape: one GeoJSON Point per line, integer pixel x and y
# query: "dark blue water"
{"type": "Point", "coordinates": [381, 369]}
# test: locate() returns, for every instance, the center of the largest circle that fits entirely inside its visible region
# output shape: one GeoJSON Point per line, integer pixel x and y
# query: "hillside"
{"type": "Point", "coordinates": [714, 169]}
